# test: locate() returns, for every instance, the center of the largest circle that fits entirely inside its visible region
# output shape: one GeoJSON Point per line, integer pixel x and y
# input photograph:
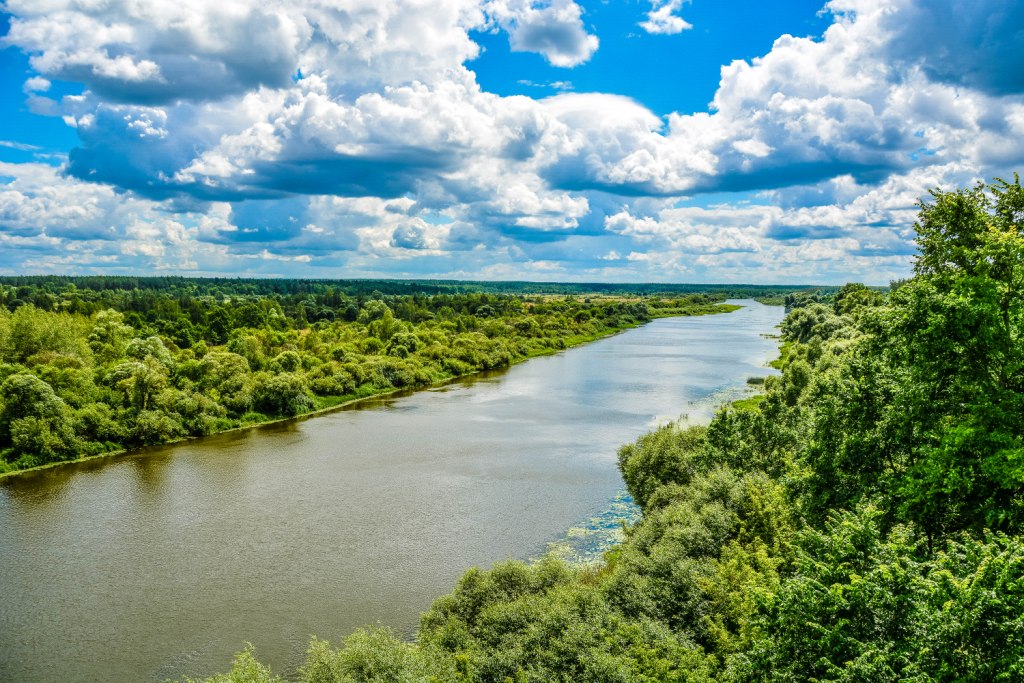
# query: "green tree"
{"type": "Point", "coordinates": [954, 331]}
{"type": "Point", "coordinates": [139, 380]}
{"type": "Point", "coordinates": [29, 331]}
{"type": "Point", "coordinates": [34, 421]}
{"type": "Point", "coordinates": [285, 394]}
{"type": "Point", "coordinates": [862, 605]}
{"type": "Point", "coordinates": [109, 335]}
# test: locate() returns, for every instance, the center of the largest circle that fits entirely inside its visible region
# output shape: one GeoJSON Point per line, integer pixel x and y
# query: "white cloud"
{"type": "Point", "coordinates": [663, 20]}
{"type": "Point", "coordinates": [552, 28]}
{"type": "Point", "coordinates": [978, 44]}
{"type": "Point", "coordinates": [355, 122]}
{"type": "Point", "coordinates": [161, 52]}
{"type": "Point", "coordinates": [36, 84]}
{"type": "Point", "coordinates": [20, 146]}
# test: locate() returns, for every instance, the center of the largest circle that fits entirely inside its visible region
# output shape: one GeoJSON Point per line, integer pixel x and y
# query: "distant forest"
{"type": "Point", "coordinates": [94, 365]}
{"type": "Point", "coordinates": [28, 286]}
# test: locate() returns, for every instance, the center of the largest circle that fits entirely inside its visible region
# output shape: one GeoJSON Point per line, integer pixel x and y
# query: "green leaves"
{"type": "Point", "coordinates": [960, 322]}
{"type": "Point", "coordinates": [866, 606]}
{"type": "Point", "coordinates": [34, 421]}
{"type": "Point", "coordinates": [668, 455]}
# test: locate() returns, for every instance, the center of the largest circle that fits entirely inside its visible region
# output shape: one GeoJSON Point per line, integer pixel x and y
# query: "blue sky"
{"type": "Point", "coordinates": [667, 73]}
{"type": "Point", "coordinates": [632, 140]}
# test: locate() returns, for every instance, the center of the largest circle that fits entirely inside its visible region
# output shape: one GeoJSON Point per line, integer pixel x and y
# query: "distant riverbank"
{"type": "Point", "coordinates": [328, 404]}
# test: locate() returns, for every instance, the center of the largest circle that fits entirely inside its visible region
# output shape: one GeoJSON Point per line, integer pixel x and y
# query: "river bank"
{"type": "Point", "coordinates": [360, 516]}
{"type": "Point", "coordinates": [328, 404]}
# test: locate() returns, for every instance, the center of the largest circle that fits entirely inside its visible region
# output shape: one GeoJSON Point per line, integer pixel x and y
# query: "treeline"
{"type": "Point", "coordinates": [87, 294]}
{"type": "Point", "coordinates": [861, 522]}
{"type": "Point", "coordinates": [90, 371]}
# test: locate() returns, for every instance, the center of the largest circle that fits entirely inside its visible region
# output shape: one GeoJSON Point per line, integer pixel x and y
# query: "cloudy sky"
{"type": "Point", "coordinates": [586, 140]}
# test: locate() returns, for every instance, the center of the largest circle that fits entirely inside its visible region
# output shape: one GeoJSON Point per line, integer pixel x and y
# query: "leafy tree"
{"type": "Point", "coordinates": [372, 310]}
{"type": "Point", "coordinates": [286, 361]}
{"type": "Point", "coordinates": [376, 655]}
{"type": "Point", "coordinates": [245, 669]}
{"type": "Point", "coordinates": [29, 331]}
{"type": "Point", "coordinates": [139, 380]}
{"type": "Point", "coordinates": [863, 606]}
{"type": "Point", "coordinates": [109, 335]}
{"type": "Point", "coordinates": [665, 456]}
{"type": "Point", "coordinates": [154, 426]}
{"type": "Point", "coordinates": [284, 394]}
{"type": "Point", "coordinates": [34, 420]}
{"type": "Point", "coordinates": [960, 322]}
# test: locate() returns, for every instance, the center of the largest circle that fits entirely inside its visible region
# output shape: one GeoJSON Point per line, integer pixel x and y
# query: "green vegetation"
{"type": "Point", "coordinates": [97, 365]}
{"type": "Point", "coordinates": [43, 290]}
{"type": "Point", "coordinates": [861, 522]}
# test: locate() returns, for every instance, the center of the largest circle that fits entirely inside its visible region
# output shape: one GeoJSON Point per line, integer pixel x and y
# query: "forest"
{"type": "Point", "coordinates": [324, 294]}
{"type": "Point", "coordinates": [97, 365]}
{"type": "Point", "coordinates": [861, 520]}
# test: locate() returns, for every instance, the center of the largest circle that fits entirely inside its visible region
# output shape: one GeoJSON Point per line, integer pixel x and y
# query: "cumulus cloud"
{"type": "Point", "coordinates": [416, 234]}
{"type": "Point", "coordinates": [663, 19]}
{"type": "Point", "coordinates": [160, 52]}
{"type": "Point", "coordinates": [106, 230]}
{"type": "Point", "coordinates": [973, 43]}
{"type": "Point", "coordinates": [154, 53]}
{"type": "Point", "coordinates": [553, 29]}
{"type": "Point", "coordinates": [36, 84]}
{"type": "Point", "coordinates": [327, 133]}
{"type": "Point", "coordinates": [806, 111]}
{"type": "Point", "coordinates": [48, 222]}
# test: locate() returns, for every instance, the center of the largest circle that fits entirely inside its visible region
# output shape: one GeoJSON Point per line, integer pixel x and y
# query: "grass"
{"type": "Point", "coordinates": [748, 404]}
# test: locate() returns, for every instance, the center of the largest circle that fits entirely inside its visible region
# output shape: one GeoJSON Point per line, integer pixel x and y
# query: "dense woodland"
{"type": "Point", "coordinates": [45, 291]}
{"type": "Point", "coordinates": [861, 521]}
{"type": "Point", "coordinates": [96, 365]}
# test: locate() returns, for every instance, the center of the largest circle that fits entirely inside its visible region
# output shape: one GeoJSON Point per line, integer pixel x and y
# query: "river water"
{"type": "Point", "coordinates": [163, 563]}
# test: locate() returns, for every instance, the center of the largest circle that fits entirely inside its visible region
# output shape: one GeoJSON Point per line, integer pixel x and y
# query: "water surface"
{"type": "Point", "coordinates": [163, 563]}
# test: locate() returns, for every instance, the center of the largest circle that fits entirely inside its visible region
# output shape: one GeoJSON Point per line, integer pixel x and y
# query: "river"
{"type": "Point", "coordinates": [164, 562]}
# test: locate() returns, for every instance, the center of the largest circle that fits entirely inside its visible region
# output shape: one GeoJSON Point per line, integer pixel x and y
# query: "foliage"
{"type": "Point", "coordinates": [92, 365]}
{"type": "Point", "coordinates": [920, 401]}
{"type": "Point", "coordinates": [377, 656]}
{"type": "Point", "coordinates": [665, 456]}
{"type": "Point", "coordinates": [245, 669]}
{"type": "Point", "coordinates": [864, 606]}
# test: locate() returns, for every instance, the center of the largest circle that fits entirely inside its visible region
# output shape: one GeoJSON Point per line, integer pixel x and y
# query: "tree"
{"type": "Point", "coordinates": [139, 380]}
{"type": "Point", "coordinates": [30, 331]}
{"type": "Point", "coordinates": [34, 420]}
{"type": "Point", "coordinates": [285, 394]}
{"type": "Point", "coordinates": [957, 328]}
{"type": "Point", "coordinates": [109, 335]}
{"type": "Point", "coordinates": [862, 605]}
{"type": "Point", "coordinates": [923, 404]}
